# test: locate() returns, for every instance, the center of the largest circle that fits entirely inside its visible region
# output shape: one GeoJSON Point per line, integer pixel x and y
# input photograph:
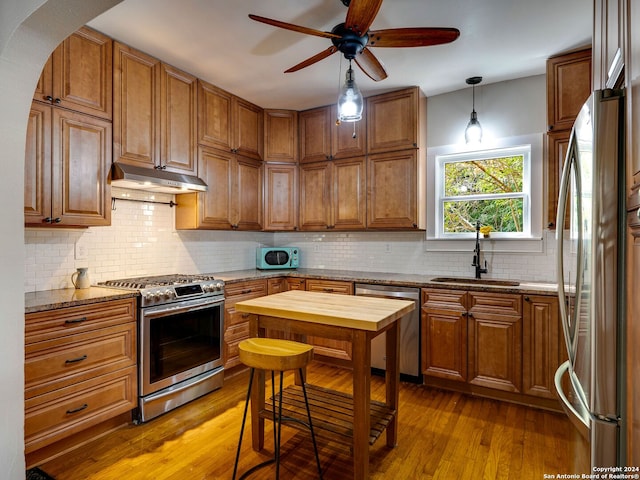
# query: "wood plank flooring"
{"type": "Point", "coordinates": [442, 435]}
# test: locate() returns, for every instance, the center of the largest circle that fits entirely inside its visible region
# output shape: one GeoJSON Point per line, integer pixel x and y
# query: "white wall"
{"type": "Point", "coordinates": [29, 31]}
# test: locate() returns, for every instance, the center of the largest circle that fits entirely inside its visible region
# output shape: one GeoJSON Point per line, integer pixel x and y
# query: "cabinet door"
{"type": "Point", "coordinates": [444, 334]}
{"type": "Point", "coordinates": [495, 341]}
{"type": "Point", "coordinates": [136, 116]}
{"type": "Point", "coordinates": [281, 136]}
{"type": "Point", "coordinates": [568, 87]}
{"type": "Point", "coordinates": [315, 134]}
{"type": "Point", "coordinates": [348, 194]}
{"type": "Point", "coordinates": [392, 121]}
{"type": "Point", "coordinates": [315, 185]}
{"type": "Point", "coordinates": [348, 139]}
{"type": "Point", "coordinates": [248, 128]}
{"type": "Point", "coordinates": [178, 117]}
{"type": "Point", "coordinates": [214, 116]}
{"type": "Point", "coordinates": [81, 145]}
{"type": "Point", "coordinates": [541, 345]}
{"type": "Point", "coordinates": [37, 165]}
{"type": "Point", "coordinates": [392, 190]}
{"type": "Point", "coordinates": [296, 284]}
{"type": "Point", "coordinates": [557, 144]}
{"type": "Point", "coordinates": [281, 197]}
{"type": "Point", "coordinates": [276, 285]}
{"type": "Point", "coordinates": [328, 347]}
{"type": "Point", "coordinates": [82, 73]}
{"type": "Point", "coordinates": [247, 197]}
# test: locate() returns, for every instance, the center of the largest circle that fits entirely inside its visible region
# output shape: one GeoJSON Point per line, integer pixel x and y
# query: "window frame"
{"type": "Point", "coordinates": [524, 150]}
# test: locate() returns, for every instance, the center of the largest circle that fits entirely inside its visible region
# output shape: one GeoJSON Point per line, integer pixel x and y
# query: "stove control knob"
{"type": "Point", "coordinates": [149, 297]}
{"type": "Point", "coordinates": [168, 293]}
{"type": "Point", "coordinates": [219, 285]}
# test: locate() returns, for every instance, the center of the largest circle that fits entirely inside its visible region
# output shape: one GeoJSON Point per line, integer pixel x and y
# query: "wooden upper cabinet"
{"type": "Point", "coordinates": [280, 197]}
{"type": "Point", "coordinates": [332, 195]}
{"type": "Point", "coordinates": [78, 75]}
{"type": "Point", "coordinates": [315, 135]}
{"type": "Point", "coordinates": [235, 202]}
{"type": "Point", "coordinates": [178, 120]}
{"type": "Point", "coordinates": [321, 138]}
{"type": "Point", "coordinates": [392, 121]}
{"type": "Point", "coordinates": [557, 145]}
{"type": "Point", "coordinates": [568, 87]}
{"type": "Point", "coordinates": [281, 136]}
{"type": "Point", "coordinates": [136, 113]}
{"type": "Point", "coordinates": [154, 123]}
{"type": "Point", "coordinates": [228, 122]}
{"type": "Point", "coordinates": [68, 157]}
{"type": "Point", "coordinates": [392, 191]}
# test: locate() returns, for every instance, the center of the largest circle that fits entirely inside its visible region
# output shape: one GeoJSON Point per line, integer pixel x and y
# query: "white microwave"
{"type": "Point", "coordinates": [268, 258]}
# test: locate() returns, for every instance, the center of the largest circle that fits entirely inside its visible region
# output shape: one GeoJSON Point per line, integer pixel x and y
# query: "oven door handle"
{"type": "Point", "coordinates": [163, 312]}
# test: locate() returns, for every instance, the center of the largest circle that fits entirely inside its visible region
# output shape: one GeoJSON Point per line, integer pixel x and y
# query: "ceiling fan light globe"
{"type": "Point", "coordinates": [350, 101]}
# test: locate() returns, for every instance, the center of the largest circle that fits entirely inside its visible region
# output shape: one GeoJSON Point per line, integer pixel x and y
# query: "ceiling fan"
{"type": "Point", "coordinates": [354, 39]}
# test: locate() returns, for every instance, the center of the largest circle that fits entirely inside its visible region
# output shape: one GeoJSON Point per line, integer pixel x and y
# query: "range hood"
{"type": "Point", "coordinates": [154, 180]}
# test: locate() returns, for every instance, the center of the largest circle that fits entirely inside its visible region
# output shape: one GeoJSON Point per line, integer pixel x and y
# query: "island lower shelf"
{"type": "Point", "coordinates": [331, 413]}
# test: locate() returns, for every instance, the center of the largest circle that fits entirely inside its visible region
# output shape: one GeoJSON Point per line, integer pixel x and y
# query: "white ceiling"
{"type": "Point", "coordinates": [216, 41]}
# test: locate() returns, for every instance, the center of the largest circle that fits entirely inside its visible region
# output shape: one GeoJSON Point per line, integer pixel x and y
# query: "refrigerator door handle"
{"type": "Point", "coordinates": [569, 324]}
{"type": "Point", "coordinates": [580, 417]}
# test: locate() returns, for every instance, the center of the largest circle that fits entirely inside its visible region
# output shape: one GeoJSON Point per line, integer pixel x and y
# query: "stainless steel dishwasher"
{"type": "Point", "coordinates": [409, 331]}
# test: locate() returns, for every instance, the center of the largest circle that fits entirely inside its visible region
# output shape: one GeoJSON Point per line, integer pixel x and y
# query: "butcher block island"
{"type": "Point", "coordinates": [352, 419]}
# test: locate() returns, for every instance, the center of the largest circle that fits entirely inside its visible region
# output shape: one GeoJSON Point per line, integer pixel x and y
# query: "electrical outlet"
{"type": "Point", "coordinates": [81, 252]}
{"type": "Point", "coordinates": [387, 248]}
{"type": "Point", "coordinates": [316, 247]}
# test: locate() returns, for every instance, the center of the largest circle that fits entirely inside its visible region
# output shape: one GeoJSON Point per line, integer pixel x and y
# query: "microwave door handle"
{"type": "Point", "coordinates": [560, 220]}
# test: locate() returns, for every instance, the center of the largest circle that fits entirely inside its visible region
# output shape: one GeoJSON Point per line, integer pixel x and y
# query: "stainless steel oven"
{"type": "Point", "coordinates": [181, 321]}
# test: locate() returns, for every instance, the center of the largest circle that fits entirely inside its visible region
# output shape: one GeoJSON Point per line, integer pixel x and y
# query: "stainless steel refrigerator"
{"type": "Point", "coordinates": [590, 272]}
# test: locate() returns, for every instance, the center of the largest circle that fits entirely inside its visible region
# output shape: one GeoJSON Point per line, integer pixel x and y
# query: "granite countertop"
{"type": "Point", "coordinates": [385, 278]}
{"type": "Point", "coordinates": [70, 297]}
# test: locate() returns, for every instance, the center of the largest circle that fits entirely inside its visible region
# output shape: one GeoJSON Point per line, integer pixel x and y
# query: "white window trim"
{"type": "Point", "coordinates": [533, 242]}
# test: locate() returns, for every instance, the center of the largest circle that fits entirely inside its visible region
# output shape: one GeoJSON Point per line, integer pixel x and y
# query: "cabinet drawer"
{"type": "Point", "coordinates": [57, 363]}
{"type": "Point", "coordinates": [50, 324]}
{"type": "Point", "coordinates": [236, 332]}
{"type": "Point", "coordinates": [234, 317]}
{"type": "Point", "coordinates": [495, 303]}
{"type": "Point", "coordinates": [245, 290]}
{"type": "Point", "coordinates": [330, 286]}
{"type": "Point", "coordinates": [56, 415]}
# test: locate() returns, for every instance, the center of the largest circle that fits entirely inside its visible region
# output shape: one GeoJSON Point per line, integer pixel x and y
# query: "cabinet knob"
{"type": "Point", "coordinates": [47, 220]}
{"type": "Point", "coordinates": [48, 98]}
{"type": "Point", "coordinates": [57, 220]}
{"type": "Point", "coordinates": [527, 299]}
{"type": "Point", "coordinates": [551, 224]}
{"type": "Point", "coordinates": [57, 101]}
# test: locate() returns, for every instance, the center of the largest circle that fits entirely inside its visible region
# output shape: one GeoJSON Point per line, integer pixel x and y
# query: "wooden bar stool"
{"type": "Point", "coordinates": [275, 355]}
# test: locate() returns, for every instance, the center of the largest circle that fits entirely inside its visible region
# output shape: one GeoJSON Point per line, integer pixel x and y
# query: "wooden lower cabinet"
{"type": "Point", "coordinates": [237, 323]}
{"type": "Point", "coordinates": [325, 347]}
{"type": "Point", "coordinates": [542, 345]}
{"type": "Point", "coordinates": [500, 345]}
{"type": "Point", "coordinates": [444, 334]}
{"type": "Point", "coordinates": [495, 340]}
{"type": "Point", "coordinates": [80, 372]}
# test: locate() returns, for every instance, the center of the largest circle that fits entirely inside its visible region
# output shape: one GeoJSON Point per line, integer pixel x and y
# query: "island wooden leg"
{"type": "Point", "coordinates": [392, 380]}
{"type": "Point", "coordinates": [361, 405]}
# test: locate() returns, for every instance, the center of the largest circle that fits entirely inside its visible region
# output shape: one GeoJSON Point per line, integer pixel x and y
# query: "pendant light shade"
{"type": "Point", "coordinates": [473, 132]}
{"type": "Point", "coordinates": [350, 102]}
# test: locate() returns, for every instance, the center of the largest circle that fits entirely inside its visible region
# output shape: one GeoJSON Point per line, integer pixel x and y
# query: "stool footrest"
{"type": "Point", "coordinates": [331, 412]}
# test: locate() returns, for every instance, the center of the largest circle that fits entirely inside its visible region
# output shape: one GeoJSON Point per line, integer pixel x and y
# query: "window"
{"type": "Point", "coordinates": [491, 187]}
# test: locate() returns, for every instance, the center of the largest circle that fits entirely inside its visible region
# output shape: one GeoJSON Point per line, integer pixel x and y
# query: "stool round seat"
{"type": "Point", "coordinates": [274, 354]}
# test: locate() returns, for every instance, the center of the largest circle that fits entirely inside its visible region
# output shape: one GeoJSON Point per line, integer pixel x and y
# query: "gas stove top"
{"type": "Point", "coordinates": [163, 289]}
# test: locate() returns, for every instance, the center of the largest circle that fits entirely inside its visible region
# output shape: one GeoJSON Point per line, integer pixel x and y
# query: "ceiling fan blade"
{"type": "Point", "coordinates": [290, 26]}
{"type": "Point", "coordinates": [311, 60]}
{"type": "Point", "coordinates": [370, 65]}
{"type": "Point", "coordinates": [361, 14]}
{"type": "Point", "coordinates": [412, 37]}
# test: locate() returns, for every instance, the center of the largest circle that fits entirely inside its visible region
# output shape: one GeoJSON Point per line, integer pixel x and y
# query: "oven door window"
{"type": "Point", "coordinates": [183, 341]}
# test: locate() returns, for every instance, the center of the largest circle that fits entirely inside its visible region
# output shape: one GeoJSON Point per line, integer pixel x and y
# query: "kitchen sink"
{"type": "Point", "coordinates": [476, 281]}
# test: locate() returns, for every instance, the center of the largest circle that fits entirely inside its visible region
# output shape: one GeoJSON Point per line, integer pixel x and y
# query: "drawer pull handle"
{"type": "Point", "coordinates": [246, 315]}
{"type": "Point", "coordinates": [248, 290]}
{"type": "Point", "coordinates": [76, 360]}
{"type": "Point", "coordinates": [75, 320]}
{"type": "Point", "coordinates": [79, 409]}
{"type": "Point", "coordinates": [328, 290]}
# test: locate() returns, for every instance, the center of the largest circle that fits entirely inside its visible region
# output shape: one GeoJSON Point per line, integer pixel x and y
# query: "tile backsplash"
{"type": "Point", "coordinates": [142, 240]}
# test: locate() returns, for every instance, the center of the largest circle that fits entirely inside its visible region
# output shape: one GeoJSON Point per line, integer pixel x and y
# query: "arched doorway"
{"type": "Point", "coordinates": [29, 31]}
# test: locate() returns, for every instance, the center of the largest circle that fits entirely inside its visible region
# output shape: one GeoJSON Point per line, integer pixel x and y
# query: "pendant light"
{"type": "Point", "coordinates": [350, 102]}
{"type": "Point", "coordinates": [473, 132]}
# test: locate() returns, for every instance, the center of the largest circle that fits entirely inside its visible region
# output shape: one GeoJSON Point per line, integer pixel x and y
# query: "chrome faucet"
{"type": "Point", "coordinates": [476, 255]}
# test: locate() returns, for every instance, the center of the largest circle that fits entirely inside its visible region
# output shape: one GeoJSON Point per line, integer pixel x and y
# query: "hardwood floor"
{"type": "Point", "coordinates": [442, 435]}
